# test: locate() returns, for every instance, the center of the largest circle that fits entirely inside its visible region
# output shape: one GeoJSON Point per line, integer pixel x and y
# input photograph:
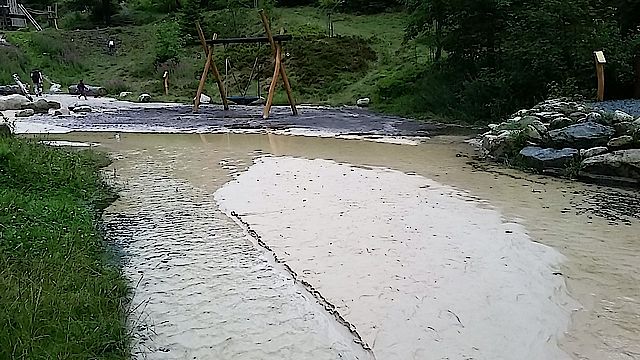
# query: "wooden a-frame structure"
{"type": "Point", "coordinates": [276, 46]}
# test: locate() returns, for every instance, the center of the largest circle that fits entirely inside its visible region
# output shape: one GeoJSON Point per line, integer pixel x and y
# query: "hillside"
{"type": "Point", "coordinates": [323, 70]}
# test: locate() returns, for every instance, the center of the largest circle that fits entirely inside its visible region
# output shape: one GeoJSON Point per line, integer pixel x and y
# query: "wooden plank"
{"type": "Point", "coordinates": [214, 68]}
{"type": "Point", "coordinates": [221, 88]}
{"type": "Point", "coordinates": [249, 40]}
{"type": "Point", "coordinates": [203, 78]}
{"type": "Point", "coordinates": [287, 85]}
{"type": "Point", "coordinates": [272, 88]}
{"type": "Point", "coordinates": [277, 49]}
{"type": "Point", "coordinates": [600, 73]}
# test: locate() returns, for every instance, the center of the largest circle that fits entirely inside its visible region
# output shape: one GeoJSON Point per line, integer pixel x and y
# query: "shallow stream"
{"type": "Point", "coordinates": [284, 247]}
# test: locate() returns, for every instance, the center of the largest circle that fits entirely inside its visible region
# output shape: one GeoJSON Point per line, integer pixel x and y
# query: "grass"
{"type": "Point", "coordinates": [62, 295]}
{"type": "Point", "coordinates": [322, 70]}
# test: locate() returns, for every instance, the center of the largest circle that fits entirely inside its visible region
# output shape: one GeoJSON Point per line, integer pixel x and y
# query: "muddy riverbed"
{"type": "Point", "coordinates": [282, 247]}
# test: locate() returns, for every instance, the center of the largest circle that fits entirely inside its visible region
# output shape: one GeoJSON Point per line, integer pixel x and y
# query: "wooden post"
{"type": "Point", "coordinates": [274, 82]}
{"type": "Point", "coordinates": [166, 83]}
{"type": "Point", "coordinates": [203, 78]}
{"type": "Point", "coordinates": [277, 50]}
{"type": "Point", "coordinates": [214, 68]}
{"type": "Point", "coordinates": [600, 61]}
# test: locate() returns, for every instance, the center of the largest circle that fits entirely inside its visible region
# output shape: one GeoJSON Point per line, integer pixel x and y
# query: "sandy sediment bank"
{"type": "Point", "coordinates": [420, 269]}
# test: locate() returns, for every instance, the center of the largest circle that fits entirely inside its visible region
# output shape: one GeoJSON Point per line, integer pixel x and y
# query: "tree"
{"type": "Point", "coordinates": [100, 11]}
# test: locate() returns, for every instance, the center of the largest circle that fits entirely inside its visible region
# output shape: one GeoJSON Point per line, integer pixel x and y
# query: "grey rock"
{"type": "Point", "coordinates": [625, 128]}
{"type": "Point", "coordinates": [548, 115]}
{"type": "Point", "coordinates": [13, 102]}
{"type": "Point", "coordinates": [621, 163]}
{"type": "Point", "coordinates": [60, 112]}
{"type": "Point", "coordinates": [81, 109]}
{"type": "Point", "coordinates": [91, 90]}
{"type": "Point", "coordinates": [533, 133]}
{"type": "Point", "coordinates": [561, 122]}
{"type": "Point", "coordinates": [498, 146]}
{"type": "Point", "coordinates": [364, 102]}
{"type": "Point", "coordinates": [124, 94]}
{"type": "Point", "coordinates": [578, 116]}
{"type": "Point", "coordinates": [581, 136]}
{"type": "Point", "coordinates": [25, 113]}
{"type": "Point", "coordinates": [593, 151]}
{"type": "Point", "coordinates": [595, 117]}
{"type": "Point", "coordinates": [621, 116]}
{"type": "Point", "coordinates": [539, 158]}
{"type": "Point", "coordinates": [144, 98]}
{"type": "Point", "coordinates": [40, 106]}
{"type": "Point", "coordinates": [621, 141]}
{"type": "Point", "coordinates": [55, 89]}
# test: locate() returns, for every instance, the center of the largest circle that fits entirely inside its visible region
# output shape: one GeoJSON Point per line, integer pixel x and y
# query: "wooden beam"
{"type": "Point", "coordinates": [272, 88]}
{"type": "Point", "coordinates": [249, 40]}
{"type": "Point", "coordinates": [203, 78]}
{"type": "Point", "coordinates": [277, 50]}
{"type": "Point", "coordinates": [214, 68]}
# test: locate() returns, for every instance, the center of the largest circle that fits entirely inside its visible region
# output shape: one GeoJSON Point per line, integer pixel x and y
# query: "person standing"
{"type": "Point", "coordinates": [112, 47]}
{"type": "Point", "coordinates": [82, 90]}
{"type": "Point", "coordinates": [36, 79]}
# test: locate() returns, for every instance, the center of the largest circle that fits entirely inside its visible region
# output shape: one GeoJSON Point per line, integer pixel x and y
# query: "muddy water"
{"type": "Point", "coordinates": [178, 243]}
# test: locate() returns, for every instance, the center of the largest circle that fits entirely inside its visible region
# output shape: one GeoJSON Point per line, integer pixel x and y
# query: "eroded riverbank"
{"type": "Point", "coordinates": [598, 241]}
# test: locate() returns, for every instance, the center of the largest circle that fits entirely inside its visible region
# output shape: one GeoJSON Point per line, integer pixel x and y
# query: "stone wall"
{"type": "Point", "coordinates": [563, 134]}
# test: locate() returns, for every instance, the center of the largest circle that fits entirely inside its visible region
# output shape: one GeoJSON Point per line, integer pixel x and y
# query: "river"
{"type": "Point", "coordinates": [272, 247]}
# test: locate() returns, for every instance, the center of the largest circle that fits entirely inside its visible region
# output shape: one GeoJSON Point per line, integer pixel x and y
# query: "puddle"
{"type": "Point", "coordinates": [197, 268]}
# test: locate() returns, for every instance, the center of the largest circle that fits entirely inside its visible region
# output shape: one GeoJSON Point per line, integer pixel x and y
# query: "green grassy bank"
{"type": "Point", "coordinates": [62, 294]}
{"type": "Point", "coordinates": [365, 52]}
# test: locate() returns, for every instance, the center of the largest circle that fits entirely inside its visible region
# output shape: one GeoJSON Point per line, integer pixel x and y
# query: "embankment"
{"type": "Point", "coordinates": [61, 292]}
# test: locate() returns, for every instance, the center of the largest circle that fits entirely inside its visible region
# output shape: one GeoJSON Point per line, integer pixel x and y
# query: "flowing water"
{"type": "Point", "coordinates": [282, 247]}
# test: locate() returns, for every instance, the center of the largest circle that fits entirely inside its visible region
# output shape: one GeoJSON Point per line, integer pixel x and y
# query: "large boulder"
{"type": "Point", "coordinates": [81, 109]}
{"type": "Point", "coordinates": [364, 102]}
{"type": "Point", "coordinates": [587, 153]}
{"type": "Point", "coordinates": [55, 89]}
{"type": "Point", "coordinates": [42, 106]}
{"type": "Point", "coordinates": [91, 90]}
{"type": "Point", "coordinates": [502, 144]}
{"type": "Point", "coordinates": [144, 98]}
{"type": "Point", "coordinates": [13, 102]}
{"type": "Point", "coordinates": [25, 113]}
{"type": "Point", "coordinates": [625, 128]}
{"type": "Point", "coordinates": [539, 158]}
{"type": "Point", "coordinates": [621, 116]}
{"type": "Point", "coordinates": [10, 90]}
{"type": "Point", "coordinates": [620, 142]}
{"type": "Point", "coordinates": [581, 136]}
{"type": "Point", "coordinates": [561, 122]}
{"type": "Point", "coordinates": [621, 163]}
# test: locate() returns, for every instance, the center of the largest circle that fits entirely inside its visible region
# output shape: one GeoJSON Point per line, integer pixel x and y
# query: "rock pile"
{"type": "Point", "coordinates": [20, 102]}
{"type": "Point", "coordinates": [562, 133]}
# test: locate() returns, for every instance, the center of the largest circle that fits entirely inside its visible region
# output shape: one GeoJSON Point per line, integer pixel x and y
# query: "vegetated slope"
{"type": "Point", "coordinates": [61, 293]}
{"type": "Point", "coordinates": [326, 70]}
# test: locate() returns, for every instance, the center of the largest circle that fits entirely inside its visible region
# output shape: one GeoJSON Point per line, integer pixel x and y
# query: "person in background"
{"type": "Point", "coordinates": [112, 47]}
{"type": "Point", "coordinates": [36, 78]}
{"type": "Point", "coordinates": [82, 90]}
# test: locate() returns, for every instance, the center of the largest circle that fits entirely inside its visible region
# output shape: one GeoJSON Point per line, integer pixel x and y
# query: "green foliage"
{"type": "Point", "coordinates": [101, 11]}
{"type": "Point", "coordinates": [62, 295]}
{"type": "Point", "coordinates": [168, 42]}
{"type": "Point", "coordinates": [328, 65]}
{"type": "Point", "coordinates": [513, 54]}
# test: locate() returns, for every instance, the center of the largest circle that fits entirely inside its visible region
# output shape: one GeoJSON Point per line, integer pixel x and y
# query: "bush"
{"type": "Point", "coordinates": [169, 42]}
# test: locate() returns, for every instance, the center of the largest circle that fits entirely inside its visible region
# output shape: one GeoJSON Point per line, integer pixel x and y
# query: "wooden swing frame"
{"type": "Point", "coordinates": [279, 68]}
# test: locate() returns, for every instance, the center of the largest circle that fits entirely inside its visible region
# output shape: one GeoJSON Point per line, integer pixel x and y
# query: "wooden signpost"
{"type": "Point", "coordinates": [600, 61]}
{"type": "Point", "coordinates": [279, 68]}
